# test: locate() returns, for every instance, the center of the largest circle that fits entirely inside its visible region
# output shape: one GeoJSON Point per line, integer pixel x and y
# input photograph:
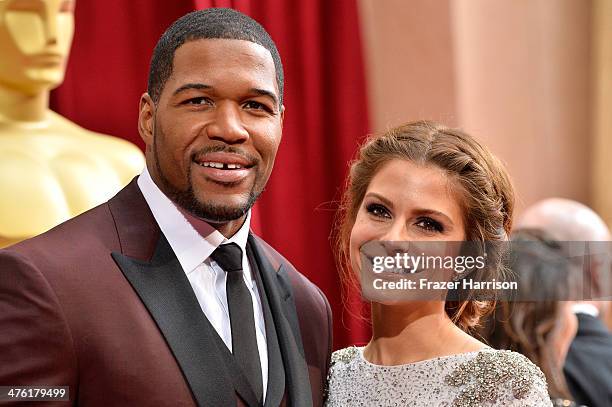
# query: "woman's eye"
{"type": "Point", "coordinates": [430, 225]}
{"type": "Point", "coordinates": [378, 211]}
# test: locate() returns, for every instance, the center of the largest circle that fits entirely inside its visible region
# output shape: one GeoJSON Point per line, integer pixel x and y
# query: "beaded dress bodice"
{"type": "Point", "coordinates": [483, 378]}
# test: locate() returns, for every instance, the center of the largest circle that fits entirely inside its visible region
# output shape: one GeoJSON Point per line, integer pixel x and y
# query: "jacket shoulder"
{"type": "Point", "coordinates": [93, 232]}
{"type": "Point", "coordinates": [77, 235]}
{"type": "Point", "coordinates": [298, 280]}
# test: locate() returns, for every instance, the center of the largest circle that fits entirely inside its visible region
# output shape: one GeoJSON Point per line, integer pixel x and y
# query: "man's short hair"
{"type": "Point", "coordinates": [212, 23]}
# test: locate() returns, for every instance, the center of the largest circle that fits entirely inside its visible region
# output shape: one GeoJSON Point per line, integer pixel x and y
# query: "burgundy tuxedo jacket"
{"type": "Point", "coordinates": [101, 304]}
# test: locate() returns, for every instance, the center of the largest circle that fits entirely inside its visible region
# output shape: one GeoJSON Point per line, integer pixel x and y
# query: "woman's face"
{"type": "Point", "coordinates": [407, 202]}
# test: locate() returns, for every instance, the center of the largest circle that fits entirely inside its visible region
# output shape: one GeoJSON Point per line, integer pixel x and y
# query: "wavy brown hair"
{"type": "Point", "coordinates": [487, 195]}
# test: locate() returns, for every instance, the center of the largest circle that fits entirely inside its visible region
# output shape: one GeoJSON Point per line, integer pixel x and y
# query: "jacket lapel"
{"type": "Point", "coordinates": [206, 363]}
{"type": "Point", "coordinates": [280, 298]}
{"type": "Point", "coordinates": [275, 388]}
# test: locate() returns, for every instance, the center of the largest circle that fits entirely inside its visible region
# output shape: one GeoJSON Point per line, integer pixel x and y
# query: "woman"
{"type": "Point", "coordinates": [541, 329]}
{"type": "Point", "coordinates": [424, 182]}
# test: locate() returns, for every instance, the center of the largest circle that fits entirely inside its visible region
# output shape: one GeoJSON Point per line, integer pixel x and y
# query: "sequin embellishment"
{"type": "Point", "coordinates": [344, 355]}
{"type": "Point", "coordinates": [488, 373]}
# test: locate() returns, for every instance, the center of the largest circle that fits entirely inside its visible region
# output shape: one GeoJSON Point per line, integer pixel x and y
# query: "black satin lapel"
{"type": "Point", "coordinates": [290, 308]}
{"type": "Point", "coordinates": [165, 290]}
{"type": "Point", "coordinates": [275, 388]}
{"type": "Point", "coordinates": [283, 311]}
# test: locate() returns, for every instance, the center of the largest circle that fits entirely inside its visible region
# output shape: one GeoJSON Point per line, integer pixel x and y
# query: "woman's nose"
{"type": "Point", "coordinates": [396, 232]}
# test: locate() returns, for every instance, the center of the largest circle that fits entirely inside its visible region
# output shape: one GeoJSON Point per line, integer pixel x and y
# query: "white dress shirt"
{"type": "Point", "coordinates": [206, 277]}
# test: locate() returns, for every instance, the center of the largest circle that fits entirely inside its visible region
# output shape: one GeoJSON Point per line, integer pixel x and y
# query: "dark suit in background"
{"type": "Point", "coordinates": [588, 366]}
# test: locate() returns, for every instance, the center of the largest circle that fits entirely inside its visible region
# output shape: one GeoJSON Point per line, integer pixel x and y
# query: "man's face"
{"type": "Point", "coordinates": [35, 38]}
{"type": "Point", "coordinates": [213, 136]}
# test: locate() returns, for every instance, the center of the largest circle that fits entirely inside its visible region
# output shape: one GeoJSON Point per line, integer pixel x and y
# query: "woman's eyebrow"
{"type": "Point", "coordinates": [426, 211]}
{"type": "Point", "coordinates": [380, 198]}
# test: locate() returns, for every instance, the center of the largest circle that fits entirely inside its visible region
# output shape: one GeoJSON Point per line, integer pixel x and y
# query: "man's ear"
{"type": "Point", "coordinates": [146, 119]}
{"type": "Point", "coordinates": [282, 115]}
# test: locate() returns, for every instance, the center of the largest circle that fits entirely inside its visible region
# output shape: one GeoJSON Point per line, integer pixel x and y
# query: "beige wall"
{"type": "Point", "coordinates": [602, 96]}
{"type": "Point", "coordinates": [409, 61]}
{"type": "Point", "coordinates": [516, 74]}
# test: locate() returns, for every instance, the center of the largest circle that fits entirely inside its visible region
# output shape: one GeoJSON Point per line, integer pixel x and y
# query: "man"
{"type": "Point", "coordinates": [588, 365]}
{"type": "Point", "coordinates": [162, 296]}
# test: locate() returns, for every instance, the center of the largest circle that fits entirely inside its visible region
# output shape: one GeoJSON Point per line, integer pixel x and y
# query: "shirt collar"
{"type": "Point", "coordinates": [582, 308]}
{"type": "Point", "coordinates": [188, 245]}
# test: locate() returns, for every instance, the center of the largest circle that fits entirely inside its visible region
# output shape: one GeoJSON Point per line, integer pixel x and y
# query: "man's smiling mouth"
{"type": "Point", "coordinates": [224, 166]}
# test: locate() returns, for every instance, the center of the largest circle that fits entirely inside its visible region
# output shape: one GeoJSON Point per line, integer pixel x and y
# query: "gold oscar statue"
{"type": "Point", "coordinates": [50, 168]}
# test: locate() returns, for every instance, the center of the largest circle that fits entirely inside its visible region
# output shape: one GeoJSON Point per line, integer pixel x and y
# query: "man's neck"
{"type": "Point", "coordinates": [230, 228]}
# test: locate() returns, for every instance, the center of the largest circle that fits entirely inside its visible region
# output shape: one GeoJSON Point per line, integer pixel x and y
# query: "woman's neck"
{"type": "Point", "coordinates": [18, 106]}
{"type": "Point", "coordinates": [415, 331]}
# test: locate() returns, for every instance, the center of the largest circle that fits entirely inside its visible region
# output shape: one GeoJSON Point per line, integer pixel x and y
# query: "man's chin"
{"type": "Point", "coordinates": [222, 210]}
{"type": "Point", "coordinates": [218, 214]}
{"type": "Point", "coordinates": [214, 207]}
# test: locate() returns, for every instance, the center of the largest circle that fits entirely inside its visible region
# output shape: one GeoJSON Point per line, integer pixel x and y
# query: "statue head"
{"type": "Point", "coordinates": [35, 39]}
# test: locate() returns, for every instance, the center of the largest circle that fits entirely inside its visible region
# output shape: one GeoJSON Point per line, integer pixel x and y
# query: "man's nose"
{"type": "Point", "coordinates": [227, 125]}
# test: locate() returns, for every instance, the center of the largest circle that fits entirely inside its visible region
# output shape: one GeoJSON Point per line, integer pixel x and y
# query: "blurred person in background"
{"type": "Point", "coordinates": [544, 328]}
{"type": "Point", "coordinates": [588, 366]}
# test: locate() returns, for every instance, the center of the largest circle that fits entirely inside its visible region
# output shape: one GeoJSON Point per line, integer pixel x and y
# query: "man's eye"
{"type": "Point", "coordinates": [198, 101]}
{"type": "Point", "coordinates": [430, 225]}
{"type": "Point", "coordinates": [253, 105]}
{"type": "Point", "coordinates": [378, 210]}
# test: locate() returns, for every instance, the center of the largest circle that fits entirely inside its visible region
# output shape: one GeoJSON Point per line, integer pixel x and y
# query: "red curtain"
{"type": "Point", "coordinates": [325, 100]}
{"type": "Point", "coordinates": [109, 62]}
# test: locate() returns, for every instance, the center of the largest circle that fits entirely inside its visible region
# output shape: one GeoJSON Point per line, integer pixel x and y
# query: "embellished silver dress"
{"type": "Point", "coordinates": [477, 379]}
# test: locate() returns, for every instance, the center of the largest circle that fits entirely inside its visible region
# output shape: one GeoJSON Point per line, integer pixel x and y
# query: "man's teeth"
{"type": "Point", "coordinates": [221, 165]}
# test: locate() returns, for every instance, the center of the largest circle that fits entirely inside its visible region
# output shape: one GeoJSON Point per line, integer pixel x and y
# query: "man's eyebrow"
{"type": "Point", "coordinates": [267, 93]}
{"type": "Point", "coordinates": [188, 86]}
